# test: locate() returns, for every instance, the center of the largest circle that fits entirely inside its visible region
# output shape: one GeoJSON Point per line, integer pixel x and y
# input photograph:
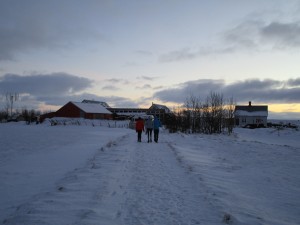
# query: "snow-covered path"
{"type": "Point", "coordinates": [86, 175]}
{"type": "Point", "coordinates": [124, 183]}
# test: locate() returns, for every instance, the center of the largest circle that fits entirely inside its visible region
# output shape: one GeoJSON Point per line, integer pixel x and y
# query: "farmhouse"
{"type": "Point", "coordinates": [84, 110]}
{"type": "Point", "coordinates": [251, 115]}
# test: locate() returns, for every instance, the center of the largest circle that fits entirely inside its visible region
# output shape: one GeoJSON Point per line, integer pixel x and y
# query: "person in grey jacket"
{"type": "Point", "coordinates": [149, 128]}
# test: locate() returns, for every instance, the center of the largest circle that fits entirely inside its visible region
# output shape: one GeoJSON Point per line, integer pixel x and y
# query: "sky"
{"type": "Point", "coordinates": [135, 52]}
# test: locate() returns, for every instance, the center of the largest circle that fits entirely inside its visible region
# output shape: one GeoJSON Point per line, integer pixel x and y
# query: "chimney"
{"type": "Point", "coordinates": [249, 103]}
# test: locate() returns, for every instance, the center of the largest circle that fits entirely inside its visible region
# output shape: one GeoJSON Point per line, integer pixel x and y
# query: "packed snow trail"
{"type": "Point", "coordinates": [124, 183]}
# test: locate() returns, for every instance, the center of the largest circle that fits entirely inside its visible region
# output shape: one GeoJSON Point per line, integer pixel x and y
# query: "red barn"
{"type": "Point", "coordinates": [83, 110]}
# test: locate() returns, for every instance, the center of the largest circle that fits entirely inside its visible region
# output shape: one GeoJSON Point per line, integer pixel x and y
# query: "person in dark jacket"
{"type": "Point", "coordinates": [139, 127]}
{"type": "Point", "coordinates": [149, 128]}
{"type": "Point", "coordinates": [156, 125]}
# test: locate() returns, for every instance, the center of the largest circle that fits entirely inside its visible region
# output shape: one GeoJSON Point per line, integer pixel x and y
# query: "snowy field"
{"type": "Point", "coordinates": [87, 174]}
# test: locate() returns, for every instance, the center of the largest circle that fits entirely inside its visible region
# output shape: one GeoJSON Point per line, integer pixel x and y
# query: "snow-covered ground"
{"type": "Point", "coordinates": [89, 174]}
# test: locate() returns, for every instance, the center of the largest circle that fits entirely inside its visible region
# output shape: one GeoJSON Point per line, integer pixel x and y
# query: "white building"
{"type": "Point", "coordinates": [251, 115]}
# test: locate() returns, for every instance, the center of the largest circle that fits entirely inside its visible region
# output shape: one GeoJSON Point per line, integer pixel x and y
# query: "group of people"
{"type": "Point", "coordinates": [149, 125]}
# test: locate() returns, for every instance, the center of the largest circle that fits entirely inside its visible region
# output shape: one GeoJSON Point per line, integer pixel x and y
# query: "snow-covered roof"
{"type": "Point", "coordinates": [92, 108]}
{"type": "Point", "coordinates": [251, 110]}
{"type": "Point", "coordinates": [157, 106]}
{"type": "Point", "coordinates": [247, 113]}
{"type": "Point", "coordinates": [104, 104]}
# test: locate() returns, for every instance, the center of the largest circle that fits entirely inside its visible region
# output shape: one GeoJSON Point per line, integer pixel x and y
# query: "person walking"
{"type": "Point", "coordinates": [139, 127]}
{"type": "Point", "coordinates": [156, 125]}
{"type": "Point", "coordinates": [149, 128]}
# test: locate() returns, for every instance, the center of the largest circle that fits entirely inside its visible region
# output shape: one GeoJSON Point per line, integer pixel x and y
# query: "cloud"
{"type": "Point", "coordinates": [179, 55]}
{"type": "Point", "coordinates": [144, 53]}
{"type": "Point", "coordinates": [158, 87]}
{"type": "Point", "coordinates": [243, 36]}
{"type": "Point", "coordinates": [110, 88]}
{"type": "Point", "coordinates": [114, 81]}
{"type": "Point", "coordinates": [147, 78]}
{"type": "Point", "coordinates": [33, 25]}
{"type": "Point", "coordinates": [260, 91]}
{"type": "Point", "coordinates": [51, 89]}
{"type": "Point", "coordinates": [119, 102]}
{"type": "Point", "coordinates": [293, 82]}
{"type": "Point", "coordinates": [254, 35]}
{"type": "Point", "coordinates": [54, 89]}
{"type": "Point", "coordinates": [44, 84]}
{"type": "Point", "coordinates": [145, 86]}
{"type": "Point", "coordinates": [249, 35]}
{"type": "Point", "coordinates": [282, 35]}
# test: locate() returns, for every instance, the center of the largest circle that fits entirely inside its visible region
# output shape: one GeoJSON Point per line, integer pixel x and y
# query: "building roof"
{"type": "Point", "coordinates": [104, 104]}
{"type": "Point", "coordinates": [157, 106]}
{"type": "Point", "coordinates": [260, 110]}
{"type": "Point", "coordinates": [92, 108]}
{"type": "Point", "coordinates": [254, 113]}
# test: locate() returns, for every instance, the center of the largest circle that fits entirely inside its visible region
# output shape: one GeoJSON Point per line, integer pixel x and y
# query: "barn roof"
{"type": "Point", "coordinates": [92, 108]}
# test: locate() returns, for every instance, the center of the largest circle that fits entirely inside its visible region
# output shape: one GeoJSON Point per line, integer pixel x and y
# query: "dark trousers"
{"type": "Point", "coordinates": [139, 136]}
{"type": "Point", "coordinates": [149, 133]}
{"type": "Point", "coordinates": [156, 132]}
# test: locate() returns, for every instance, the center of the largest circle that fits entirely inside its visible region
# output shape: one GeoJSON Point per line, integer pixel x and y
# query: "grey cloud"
{"type": "Point", "coordinates": [254, 35]}
{"type": "Point", "coordinates": [246, 36]}
{"type": "Point", "coordinates": [283, 35]}
{"type": "Point", "coordinates": [44, 84]}
{"type": "Point", "coordinates": [115, 80]}
{"type": "Point", "coordinates": [293, 82]}
{"type": "Point", "coordinates": [31, 25]}
{"type": "Point", "coordinates": [145, 86]}
{"type": "Point", "coordinates": [179, 55]}
{"type": "Point", "coordinates": [144, 52]}
{"type": "Point", "coordinates": [116, 101]}
{"type": "Point", "coordinates": [147, 78]}
{"type": "Point", "coordinates": [158, 87]}
{"type": "Point", "coordinates": [53, 89]}
{"type": "Point", "coordinates": [110, 88]}
{"type": "Point", "coordinates": [271, 91]}
{"type": "Point", "coordinates": [179, 93]}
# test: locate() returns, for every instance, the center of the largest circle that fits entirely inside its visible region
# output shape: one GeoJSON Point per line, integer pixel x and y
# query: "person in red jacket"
{"type": "Point", "coordinates": [139, 127]}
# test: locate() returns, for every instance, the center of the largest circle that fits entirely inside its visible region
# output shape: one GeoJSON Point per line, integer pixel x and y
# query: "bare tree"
{"type": "Point", "coordinates": [230, 106]}
{"type": "Point", "coordinates": [214, 112]}
{"type": "Point", "coordinates": [10, 99]}
{"type": "Point", "coordinates": [212, 116]}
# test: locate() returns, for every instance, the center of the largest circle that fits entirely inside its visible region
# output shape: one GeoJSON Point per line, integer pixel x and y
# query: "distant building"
{"type": "Point", "coordinates": [160, 111]}
{"type": "Point", "coordinates": [251, 115]}
{"type": "Point", "coordinates": [83, 110]}
{"type": "Point", "coordinates": [128, 112]}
